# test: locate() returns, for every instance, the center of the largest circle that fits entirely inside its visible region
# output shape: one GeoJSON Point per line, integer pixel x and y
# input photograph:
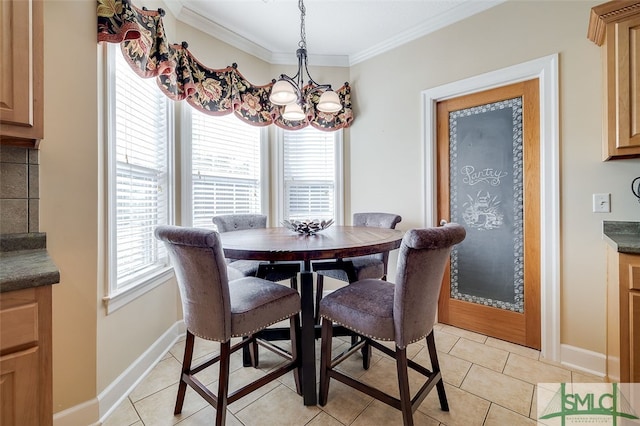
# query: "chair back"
{"type": "Point", "coordinates": [378, 220]}
{"type": "Point", "coordinates": [198, 261]}
{"type": "Point", "coordinates": [238, 222]}
{"type": "Point", "coordinates": [422, 260]}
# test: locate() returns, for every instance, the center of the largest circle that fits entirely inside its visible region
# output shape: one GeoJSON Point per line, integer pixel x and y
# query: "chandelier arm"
{"type": "Point", "coordinates": [315, 86]}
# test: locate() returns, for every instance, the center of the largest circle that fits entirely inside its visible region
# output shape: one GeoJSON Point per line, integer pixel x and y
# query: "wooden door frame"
{"type": "Point", "coordinates": [546, 70]}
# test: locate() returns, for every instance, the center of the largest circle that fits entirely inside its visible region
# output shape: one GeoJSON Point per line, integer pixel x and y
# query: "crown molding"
{"type": "Point", "coordinates": [432, 24]}
{"type": "Point", "coordinates": [188, 16]}
{"type": "Point", "coordinates": [463, 11]}
{"type": "Point", "coordinates": [174, 7]}
{"type": "Point", "coordinates": [207, 26]}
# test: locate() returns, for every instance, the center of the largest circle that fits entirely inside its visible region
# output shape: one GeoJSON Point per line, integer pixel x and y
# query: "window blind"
{"type": "Point", "coordinates": [309, 174]}
{"type": "Point", "coordinates": [141, 173]}
{"type": "Point", "coordinates": [225, 161]}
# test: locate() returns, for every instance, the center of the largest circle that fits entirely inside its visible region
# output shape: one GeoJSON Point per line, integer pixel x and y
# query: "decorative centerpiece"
{"type": "Point", "coordinates": [307, 227]}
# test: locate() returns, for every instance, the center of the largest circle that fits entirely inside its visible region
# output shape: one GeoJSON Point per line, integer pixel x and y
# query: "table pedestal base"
{"type": "Point", "coordinates": [310, 332]}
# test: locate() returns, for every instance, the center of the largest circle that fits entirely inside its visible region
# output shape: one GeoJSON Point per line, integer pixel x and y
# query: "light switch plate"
{"type": "Point", "coordinates": [601, 203]}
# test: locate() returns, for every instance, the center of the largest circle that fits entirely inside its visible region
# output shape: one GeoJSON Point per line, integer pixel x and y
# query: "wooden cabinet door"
{"type": "Point", "coordinates": [19, 387]}
{"type": "Point", "coordinates": [623, 88]}
{"type": "Point", "coordinates": [629, 270]}
{"type": "Point", "coordinates": [21, 67]}
{"type": "Point", "coordinates": [634, 336]}
{"type": "Point", "coordinates": [25, 361]}
{"type": "Point", "coordinates": [615, 25]}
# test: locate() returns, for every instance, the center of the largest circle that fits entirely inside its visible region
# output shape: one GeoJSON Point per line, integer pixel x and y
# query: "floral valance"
{"type": "Point", "coordinates": [181, 76]}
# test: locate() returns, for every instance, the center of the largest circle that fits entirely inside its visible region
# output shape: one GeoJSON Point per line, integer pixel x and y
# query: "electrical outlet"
{"type": "Point", "coordinates": [601, 203]}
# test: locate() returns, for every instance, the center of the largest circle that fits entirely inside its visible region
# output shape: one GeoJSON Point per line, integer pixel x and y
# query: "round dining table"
{"type": "Point", "coordinates": [281, 244]}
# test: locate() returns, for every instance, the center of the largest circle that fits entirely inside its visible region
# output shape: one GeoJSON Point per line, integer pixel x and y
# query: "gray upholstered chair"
{"type": "Point", "coordinates": [361, 267]}
{"type": "Point", "coordinates": [403, 313]}
{"type": "Point", "coordinates": [217, 309]}
{"type": "Point", "coordinates": [252, 268]}
{"type": "Point", "coordinates": [238, 222]}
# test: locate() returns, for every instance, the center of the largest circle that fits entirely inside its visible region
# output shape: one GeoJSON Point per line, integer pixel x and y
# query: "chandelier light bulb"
{"type": "Point", "coordinates": [329, 102]}
{"type": "Point", "coordinates": [283, 93]}
{"type": "Point", "coordinates": [293, 112]}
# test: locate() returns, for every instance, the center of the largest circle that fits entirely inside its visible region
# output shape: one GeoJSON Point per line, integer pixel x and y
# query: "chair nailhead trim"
{"type": "Point", "coordinates": [373, 337]}
{"type": "Point", "coordinates": [205, 338]}
{"type": "Point", "coordinates": [262, 328]}
{"type": "Point", "coordinates": [356, 330]}
{"type": "Point", "coordinates": [251, 332]}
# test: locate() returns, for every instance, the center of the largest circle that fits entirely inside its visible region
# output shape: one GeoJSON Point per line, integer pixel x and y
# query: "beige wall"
{"type": "Point", "coordinates": [91, 349]}
{"type": "Point", "coordinates": [386, 135]}
{"type": "Point", "coordinates": [69, 194]}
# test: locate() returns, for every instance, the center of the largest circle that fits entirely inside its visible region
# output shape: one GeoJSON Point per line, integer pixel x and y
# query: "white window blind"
{"type": "Point", "coordinates": [309, 174]}
{"type": "Point", "coordinates": [225, 165]}
{"type": "Point", "coordinates": [139, 175]}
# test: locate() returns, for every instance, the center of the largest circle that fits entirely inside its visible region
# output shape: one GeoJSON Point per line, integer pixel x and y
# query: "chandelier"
{"type": "Point", "coordinates": [288, 91]}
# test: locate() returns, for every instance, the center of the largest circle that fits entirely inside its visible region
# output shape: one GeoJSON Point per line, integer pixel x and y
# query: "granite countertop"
{"type": "Point", "coordinates": [624, 236]}
{"type": "Point", "coordinates": [24, 262]}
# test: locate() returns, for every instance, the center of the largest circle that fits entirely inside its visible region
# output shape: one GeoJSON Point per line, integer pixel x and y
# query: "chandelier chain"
{"type": "Point", "coordinates": [303, 36]}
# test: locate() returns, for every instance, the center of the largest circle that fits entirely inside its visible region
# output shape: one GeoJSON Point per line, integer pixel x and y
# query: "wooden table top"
{"type": "Point", "coordinates": [280, 244]}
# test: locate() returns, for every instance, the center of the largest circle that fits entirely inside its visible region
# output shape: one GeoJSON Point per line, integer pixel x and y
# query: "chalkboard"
{"type": "Point", "coordinates": [486, 193]}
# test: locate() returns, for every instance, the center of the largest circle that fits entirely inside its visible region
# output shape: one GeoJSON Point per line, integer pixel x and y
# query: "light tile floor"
{"type": "Point", "coordinates": [488, 382]}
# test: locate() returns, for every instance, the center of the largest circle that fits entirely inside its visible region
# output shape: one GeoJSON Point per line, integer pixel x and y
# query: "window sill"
{"type": "Point", "coordinates": [115, 301]}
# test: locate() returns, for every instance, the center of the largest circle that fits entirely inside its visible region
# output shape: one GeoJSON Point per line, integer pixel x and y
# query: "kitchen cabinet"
{"type": "Point", "coordinates": [623, 301]}
{"type": "Point", "coordinates": [21, 68]}
{"type": "Point", "coordinates": [615, 26]}
{"type": "Point", "coordinates": [623, 317]}
{"type": "Point", "coordinates": [25, 357]}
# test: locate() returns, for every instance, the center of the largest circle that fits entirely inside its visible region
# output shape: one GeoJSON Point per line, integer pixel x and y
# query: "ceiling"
{"type": "Point", "coordinates": [338, 33]}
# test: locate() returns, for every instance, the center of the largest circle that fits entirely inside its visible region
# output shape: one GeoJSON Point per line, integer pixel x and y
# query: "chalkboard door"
{"type": "Point", "coordinates": [488, 181]}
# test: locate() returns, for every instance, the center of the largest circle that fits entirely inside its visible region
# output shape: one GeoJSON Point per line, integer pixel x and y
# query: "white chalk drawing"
{"type": "Point", "coordinates": [488, 175]}
{"type": "Point", "coordinates": [483, 211]}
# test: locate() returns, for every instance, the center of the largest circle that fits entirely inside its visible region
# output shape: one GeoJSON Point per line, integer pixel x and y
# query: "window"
{"type": "Point", "coordinates": [140, 184]}
{"type": "Point", "coordinates": [226, 168]}
{"type": "Point", "coordinates": [310, 174]}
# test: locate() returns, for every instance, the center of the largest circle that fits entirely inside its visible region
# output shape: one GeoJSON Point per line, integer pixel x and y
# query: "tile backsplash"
{"type": "Point", "coordinates": [19, 190]}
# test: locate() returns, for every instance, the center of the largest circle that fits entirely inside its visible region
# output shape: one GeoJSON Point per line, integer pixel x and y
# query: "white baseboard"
{"type": "Point", "coordinates": [117, 391]}
{"type": "Point", "coordinates": [95, 411]}
{"type": "Point", "coordinates": [589, 362]}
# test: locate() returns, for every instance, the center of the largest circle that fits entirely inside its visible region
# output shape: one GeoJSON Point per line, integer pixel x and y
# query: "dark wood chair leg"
{"type": "Point", "coordinates": [435, 367]}
{"type": "Point", "coordinates": [296, 351]}
{"type": "Point", "coordinates": [325, 360]}
{"type": "Point", "coordinates": [403, 383]}
{"type": "Point", "coordinates": [247, 361]}
{"type": "Point", "coordinates": [253, 353]}
{"type": "Point", "coordinates": [186, 369]}
{"type": "Point", "coordinates": [319, 289]}
{"type": "Point", "coordinates": [223, 383]}
{"type": "Point", "coordinates": [366, 356]}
